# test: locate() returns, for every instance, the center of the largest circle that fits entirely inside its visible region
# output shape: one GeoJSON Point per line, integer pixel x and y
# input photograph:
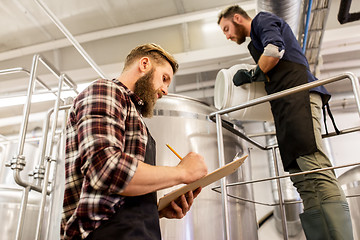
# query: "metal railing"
{"type": "Point", "coordinates": [220, 123]}
{"type": "Point", "coordinates": [41, 172]}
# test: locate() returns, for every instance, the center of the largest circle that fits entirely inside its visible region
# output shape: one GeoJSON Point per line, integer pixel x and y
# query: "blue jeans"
{"type": "Point", "coordinates": [320, 187]}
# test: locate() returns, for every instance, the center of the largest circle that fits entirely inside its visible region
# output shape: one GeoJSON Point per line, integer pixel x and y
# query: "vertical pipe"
{"type": "Point", "coordinates": [27, 105]}
{"type": "Point", "coordinates": [307, 26]}
{"type": "Point", "coordinates": [49, 160]}
{"type": "Point", "coordinates": [45, 137]}
{"type": "Point", "coordinates": [60, 155]}
{"type": "Point", "coordinates": [223, 180]}
{"type": "Point", "coordinates": [20, 159]}
{"type": "Point", "coordinates": [281, 203]}
{"type": "Point", "coordinates": [56, 113]}
{"type": "Point", "coordinates": [23, 205]}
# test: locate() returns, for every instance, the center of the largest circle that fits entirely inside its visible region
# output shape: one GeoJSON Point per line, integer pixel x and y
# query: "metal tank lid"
{"type": "Point", "coordinates": [172, 95]}
{"type": "Point", "coordinates": [180, 103]}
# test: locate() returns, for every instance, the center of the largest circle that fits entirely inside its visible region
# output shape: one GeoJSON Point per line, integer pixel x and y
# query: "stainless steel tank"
{"type": "Point", "coordinates": [182, 123]}
{"type": "Point", "coordinates": [10, 199]}
{"type": "Point", "coordinates": [11, 194]}
{"type": "Point", "coordinates": [350, 183]}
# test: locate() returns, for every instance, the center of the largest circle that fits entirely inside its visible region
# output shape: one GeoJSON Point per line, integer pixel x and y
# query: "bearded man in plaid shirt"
{"type": "Point", "coordinates": [111, 177]}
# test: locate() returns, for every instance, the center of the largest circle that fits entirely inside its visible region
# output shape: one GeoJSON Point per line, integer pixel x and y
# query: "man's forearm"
{"type": "Point", "coordinates": [267, 63]}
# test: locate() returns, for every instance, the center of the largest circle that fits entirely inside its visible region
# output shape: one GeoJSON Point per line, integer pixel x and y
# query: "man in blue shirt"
{"type": "Point", "coordinates": [282, 65]}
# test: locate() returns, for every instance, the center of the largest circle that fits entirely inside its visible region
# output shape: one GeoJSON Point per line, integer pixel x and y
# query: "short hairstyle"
{"type": "Point", "coordinates": [154, 52]}
{"type": "Point", "coordinates": [231, 11]}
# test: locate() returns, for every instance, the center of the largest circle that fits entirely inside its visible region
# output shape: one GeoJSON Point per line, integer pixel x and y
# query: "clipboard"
{"type": "Point", "coordinates": [202, 182]}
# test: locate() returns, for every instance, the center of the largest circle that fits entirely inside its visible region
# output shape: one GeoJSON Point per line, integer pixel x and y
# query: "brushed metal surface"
{"type": "Point", "coordinates": [188, 129]}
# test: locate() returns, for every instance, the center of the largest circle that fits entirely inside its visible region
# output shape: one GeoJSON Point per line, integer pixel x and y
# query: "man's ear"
{"type": "Point", "coordinates": [144, 64]}
{"type": "Point", "coordinates": [237, 18]}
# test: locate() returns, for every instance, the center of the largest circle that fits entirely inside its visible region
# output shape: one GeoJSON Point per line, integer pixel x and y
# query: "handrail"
{"type": "Point", "coordinates": [51, 68]}
{"type": "Point", "coordinates": [49, 160]}
{"type": "Point", "coordinates": [303, 87]}
{"type": "Point", "coordinates": [18, 162]}
{"type": "Point", "coordinates": [288, 175]}
{"type": "Point", "coordinates": [216, 117]}
{"type": "Point", "coordinates": [17, 170]}
{"type": "Point", "coordinates": [20, 69]}
{"type": "Point", "coordinates": [307, 86]}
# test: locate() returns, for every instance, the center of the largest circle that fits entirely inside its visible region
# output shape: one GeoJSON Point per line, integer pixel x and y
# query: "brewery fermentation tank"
{"type": "Point", "coordinates": [182, 123]}
{"type": "Point", "coordinates": [350, 183]}
{"type": "Point", "coordinates": [11, 194]}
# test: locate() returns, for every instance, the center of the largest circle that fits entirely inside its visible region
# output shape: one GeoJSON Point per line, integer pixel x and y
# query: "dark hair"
{"type": "Point", "coordinates": [231, 11]}
{"type": "Point", "coordinates": [155, 52]}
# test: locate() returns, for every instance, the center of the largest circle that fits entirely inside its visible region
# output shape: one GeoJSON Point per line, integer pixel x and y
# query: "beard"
{"type": "Point", "coordinates": [240, 33]}
{"type": "Point", "coordinates": [144, 89]}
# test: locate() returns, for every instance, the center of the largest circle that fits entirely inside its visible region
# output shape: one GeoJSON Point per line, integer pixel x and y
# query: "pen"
{"type": "Point", "coordinates": [174, 151]}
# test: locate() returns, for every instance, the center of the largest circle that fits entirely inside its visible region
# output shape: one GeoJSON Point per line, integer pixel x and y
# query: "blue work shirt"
{"type": "Point", "coordinates": [267, 28]}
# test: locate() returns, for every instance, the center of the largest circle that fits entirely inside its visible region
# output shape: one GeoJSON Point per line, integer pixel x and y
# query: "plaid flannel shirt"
{"type": "Point", "coordinates": [106, 137]}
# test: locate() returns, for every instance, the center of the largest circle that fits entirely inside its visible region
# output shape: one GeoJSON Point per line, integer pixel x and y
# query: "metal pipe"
{"type": "Point", "coordinates": [289, 175]}
{"type": "Point", "coordinates": [60, 148]}
{"type": "Point", "coordinates": [256, 202]}
{"type": "Point", "coordinates": [57, 74]}
{"type": "Point", "coordinates": [50, 67]}
{"type": "Point", "coordinates": [45, 135]}
{"type": "Point", "coordinates": [23, 183]}
{"type": "Point", "coordinates": [56, 110]}
{"type": "Point", "coordinates": [69, 36]}
{"type": "Point", "coordinates": [20, 69]}
{"type": "Point", "coordinates": [18, 162]}
{"type": "Point", "coordinates": [223, 180]}
{"type": "Point", "coordinates": [49, 160]}
{"type": "Point", "coordinates": [11, 70]}
{"type": "Point", "coordinates": [332, 134]}
{"type": "Point", "coordinates": [303, 87]}
{"type": "Point", "coordinates": [271, 204]}
{"type": "Point", "coordinates": [281, 201]}
{"type": "Point", "coordinates": [17, 171]}
{"type": "Point", "coordinates": [27, 105]}
{"type": "Point", "coordinates": [307, 26]}
{"type": "Point", "coordinates": [356, 90]}
{"type": "Point", "coordinates": [23, 206]}
{"type": "Point", "coordinates": [344, 131]}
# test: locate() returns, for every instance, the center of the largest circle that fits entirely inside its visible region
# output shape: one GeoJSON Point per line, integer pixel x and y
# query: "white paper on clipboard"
{"type": "Point", "coordinates": [202, 182]}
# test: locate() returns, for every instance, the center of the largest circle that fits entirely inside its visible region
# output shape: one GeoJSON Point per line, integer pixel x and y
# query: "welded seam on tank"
{"type": "Point", "coordinates": [173, 113]}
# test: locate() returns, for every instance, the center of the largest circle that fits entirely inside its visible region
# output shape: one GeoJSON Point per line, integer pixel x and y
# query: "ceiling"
{"type": "Point", "coordinates": [108, 29]}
